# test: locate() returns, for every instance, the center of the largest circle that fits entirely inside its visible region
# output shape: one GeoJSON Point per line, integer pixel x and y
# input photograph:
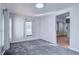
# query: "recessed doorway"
{"type": "Point", "coordinates": [63, 29]}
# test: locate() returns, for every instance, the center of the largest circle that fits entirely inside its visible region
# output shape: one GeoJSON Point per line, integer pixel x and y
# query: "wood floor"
{"type": "Point", "coordinates": [63, 40]}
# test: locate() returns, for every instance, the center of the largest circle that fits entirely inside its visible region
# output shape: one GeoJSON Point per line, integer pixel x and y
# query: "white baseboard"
{"type": "Point", "coordinates": [27, 39]}
{"type": "Point", "coordinates": [74, 49]}
{"type": "Point", "coordinates": [3, 52]}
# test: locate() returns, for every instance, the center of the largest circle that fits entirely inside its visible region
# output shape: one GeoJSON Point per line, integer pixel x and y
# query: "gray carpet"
{"type": "Point", "coordinates": [38, 47]}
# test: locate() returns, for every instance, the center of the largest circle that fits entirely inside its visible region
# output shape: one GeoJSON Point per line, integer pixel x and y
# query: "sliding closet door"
{"type": "Point", "coordinates": [6, 30]}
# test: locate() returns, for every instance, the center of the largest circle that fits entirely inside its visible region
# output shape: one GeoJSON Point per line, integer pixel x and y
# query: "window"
{"type": "Point", "coordinates": [28, 28]}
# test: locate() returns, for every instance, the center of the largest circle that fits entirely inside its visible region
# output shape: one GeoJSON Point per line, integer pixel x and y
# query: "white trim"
{"type": "Point", "coordinates": [74, 49]}
{"type": "Point", "coordinates": [43, 14]}
{"type": "Point", "coordinates": [55, 12]}
{"type": "Point", "coordinates": [3, 52]}
{"type": "Point", "coordinates": [27, 39]}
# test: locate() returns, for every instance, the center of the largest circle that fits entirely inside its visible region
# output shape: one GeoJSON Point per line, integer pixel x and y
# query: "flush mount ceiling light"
{"type": "Point", "coordinates": [39, 5]}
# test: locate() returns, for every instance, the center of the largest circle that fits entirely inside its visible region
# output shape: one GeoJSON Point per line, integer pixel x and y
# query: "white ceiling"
{"type": "Point", "coordinates": [29, 9]}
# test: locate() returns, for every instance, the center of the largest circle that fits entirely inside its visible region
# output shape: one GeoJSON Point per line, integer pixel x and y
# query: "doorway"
{"type": "Point", "coordinates": [63, 29]}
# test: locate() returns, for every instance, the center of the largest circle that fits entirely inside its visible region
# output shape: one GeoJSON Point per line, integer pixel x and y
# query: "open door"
{"type": "Point", "coordinates": [63, 29]}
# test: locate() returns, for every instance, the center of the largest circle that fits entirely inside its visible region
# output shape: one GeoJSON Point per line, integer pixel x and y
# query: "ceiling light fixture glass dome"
{"type": "Point", "coordinates": [39, 5]}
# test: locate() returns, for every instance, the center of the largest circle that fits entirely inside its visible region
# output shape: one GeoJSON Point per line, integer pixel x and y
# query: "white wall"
{"type": "Point", "coordinates": [46, 28]}
{"type": "Point", "coordinates": [18, 28]}
{"type": "Point", "coordinates": [36, 28]}
{"type": "Point", "coordinates": [74, 29]}
{"type": "Point", "coordinates": [43, 27]}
